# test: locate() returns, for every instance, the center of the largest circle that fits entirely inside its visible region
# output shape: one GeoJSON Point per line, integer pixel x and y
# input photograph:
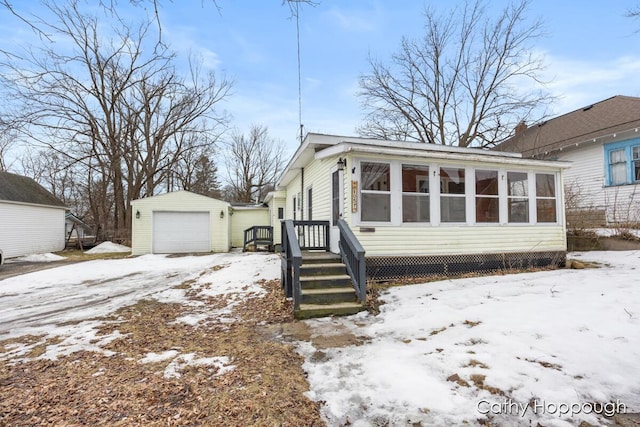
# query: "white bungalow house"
{"type": "Point", "coordinates": [419, 209]}
{"type": "Point", "coordinates": [32, 220]}
{"type": "Point", "coordinates": [603, 144]}
{"type": "Point", "coordinates": [389, 209]}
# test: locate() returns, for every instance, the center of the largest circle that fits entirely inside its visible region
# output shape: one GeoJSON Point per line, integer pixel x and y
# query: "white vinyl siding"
{"type": "Point", "coordinates": [244, 218]}
{"type": "Point", "coordinates": [389, 241]}
{"type": "Point", "coordinates": [585, 179]}
{"type": "Point", "coordinates": [30, 229]}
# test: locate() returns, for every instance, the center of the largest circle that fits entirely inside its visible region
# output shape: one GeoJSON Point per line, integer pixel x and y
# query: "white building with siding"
{"type": "Point", "coordinates": [412, 202]}
{"type": "Point", "coordinates": [180, 222]}
{"type": "Point", "coordinates": [32, 220]}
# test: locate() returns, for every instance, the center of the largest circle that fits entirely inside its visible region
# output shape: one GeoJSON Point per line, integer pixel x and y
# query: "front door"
{"type": "Point", "coordinates": [337, 207]}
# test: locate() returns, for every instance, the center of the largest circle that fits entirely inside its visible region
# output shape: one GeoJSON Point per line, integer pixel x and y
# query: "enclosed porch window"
{"type": "Point", "coordinates": [376, 191]}
{"type": "Point", "coordinates": [415, 193]}
{"type": "Point", "coordinates": [452, 195]}
{"type": "Point", "coordinates": [546, 197]}
{"type": "Point", "coordinates": [487, 197]}
{"type": "Point", "coordinates": [518, 196]}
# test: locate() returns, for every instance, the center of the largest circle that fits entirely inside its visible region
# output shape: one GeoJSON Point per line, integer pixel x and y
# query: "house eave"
{"type": "Point", "coordinates": [439, 154]}
{"type": "Point", "coordinates": [34, 204]}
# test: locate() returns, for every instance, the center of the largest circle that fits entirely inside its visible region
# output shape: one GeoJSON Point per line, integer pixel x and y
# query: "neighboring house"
{"type": "Point", "coordinates": [75, 228]}
{"type": "Point", "coordinates": [32, 220]}
{"type": "Point", "coordinates": [180, 222]}
{"type": "Point", "coordinates": [420, 209]}
{"type": "Point", "coordinates": [603, 145]}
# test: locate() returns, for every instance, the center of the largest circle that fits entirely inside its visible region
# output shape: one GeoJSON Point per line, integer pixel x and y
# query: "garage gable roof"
{"type": "Point", "coordinates": [21, 189]}
{"type": "Point", "coordinates": [179, 193]}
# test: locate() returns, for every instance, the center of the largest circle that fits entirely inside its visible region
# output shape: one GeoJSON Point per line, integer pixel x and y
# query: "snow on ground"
{"type": "Point", "coordinates": [108, 247]}
{"type": "Point", "coordinates": [65, 301]}
{"type": "Point", "coordinates": [48, 257]}
{"type": "Point", "coordinates": [443, 353]}
{"type": "Point", "coordinates": [564, 337]}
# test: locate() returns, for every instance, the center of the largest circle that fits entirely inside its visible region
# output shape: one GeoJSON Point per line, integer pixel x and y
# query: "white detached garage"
{"type": "Point", "coordinates": [179, 222]}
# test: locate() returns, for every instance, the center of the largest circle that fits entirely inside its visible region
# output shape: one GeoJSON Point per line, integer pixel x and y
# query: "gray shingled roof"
{"type": "Point", "coordinates": [16, 188]}
{"type": "Point", "coordinates": [615, 114]}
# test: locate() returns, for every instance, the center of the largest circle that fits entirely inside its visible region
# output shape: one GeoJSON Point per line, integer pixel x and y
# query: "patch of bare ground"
{"type": "Point", "coordinates": [265, 388]}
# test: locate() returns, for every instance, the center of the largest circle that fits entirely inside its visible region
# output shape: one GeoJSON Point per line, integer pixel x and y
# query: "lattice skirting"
{"type": "Point", "coordinates": [383, 268]}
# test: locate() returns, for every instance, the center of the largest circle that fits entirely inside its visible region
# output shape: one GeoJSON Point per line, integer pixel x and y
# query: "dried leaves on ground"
{"type": "Point", "coordinates": [261, 384]}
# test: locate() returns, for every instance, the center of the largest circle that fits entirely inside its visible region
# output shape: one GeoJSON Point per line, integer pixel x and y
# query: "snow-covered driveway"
{"type": "Point", "coordinates": [34, 303]}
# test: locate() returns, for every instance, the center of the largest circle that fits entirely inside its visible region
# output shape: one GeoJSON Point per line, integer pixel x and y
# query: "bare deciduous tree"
{"type": "Point", "coordinates": [254, 163]}
{"type": "Point", "coordinates": [112, 105]}
{"type": "Point", "coordinates": [467, 82]}
{"type": "Point", "coordinates": [197, 172]}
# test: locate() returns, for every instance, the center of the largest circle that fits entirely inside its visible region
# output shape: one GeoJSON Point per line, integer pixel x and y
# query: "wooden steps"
{"type": "Point", "coordinates": [326, 287]}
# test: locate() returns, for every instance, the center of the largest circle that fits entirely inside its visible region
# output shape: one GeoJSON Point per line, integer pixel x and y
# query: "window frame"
{"type": "Point", "coordinates": [524, 198]}
{"type": "Point", "coordinates": [420, 179]}
{"type": "Point", "coordinates": [453, 196]}
{"type": "Point", "coordinates": [630, 161]}
{"type": "Point", "coordinates": [495, 197]}
{"type": "Point", "coordinates": [364, 192]}
{"type": "Point", "coordinates": [554, 198]}
{"type": "Point", "coordinates": [526, 193]}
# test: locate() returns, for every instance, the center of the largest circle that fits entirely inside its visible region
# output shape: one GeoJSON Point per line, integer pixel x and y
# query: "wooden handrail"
{"type": "Point", "coordinates": [291, 262]}
{"type": "Point", "coordinates": [352, 254]}
{"type": "Point", "coordinates": [258, 234]}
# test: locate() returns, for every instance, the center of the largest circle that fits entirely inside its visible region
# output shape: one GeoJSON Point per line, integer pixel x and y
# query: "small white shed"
{"type": "Point", "coordinates": [179, 222]}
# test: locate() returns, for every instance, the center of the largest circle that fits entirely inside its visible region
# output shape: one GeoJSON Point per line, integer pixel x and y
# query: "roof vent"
{"type": "Point", "coordinates": [588, 107]}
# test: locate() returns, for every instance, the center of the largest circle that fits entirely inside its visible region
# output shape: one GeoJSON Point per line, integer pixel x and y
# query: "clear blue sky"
{"type": "Point", "coordinates": [591, 50]}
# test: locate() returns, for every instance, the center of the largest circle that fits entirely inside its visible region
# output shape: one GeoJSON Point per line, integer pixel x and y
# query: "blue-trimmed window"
{"type": "Point", "coordinates": [622, 162]}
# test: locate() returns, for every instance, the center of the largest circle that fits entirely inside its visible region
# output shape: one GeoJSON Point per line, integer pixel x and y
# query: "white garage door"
{"type": "Point", "coordinates": [180, 232]}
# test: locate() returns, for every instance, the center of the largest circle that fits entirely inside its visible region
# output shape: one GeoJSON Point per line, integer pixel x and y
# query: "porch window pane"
{"type": "Point", "coordinates": [518, 210]}
{"type": "Point", "coordinates": [518, 184]}
{"type": "Point", "coordinates": [376, 207]}
{"type": "Point", "coordinates": [452, 195]}
{"type": "Point", "coordinates": [375, 193]}
{"type": "Point", "coordinates": [487, 209]}
{"type": "Point", "coordinates": [546, 210]}
{"type": "Point", "coordinates": [518, 196]}
{"type": "Point", "coordinates": [487, 202]}
{"type": "Point", "coordinates": [617, 167]}
{"type": "Point", "coordinates": [415, 193]}
{"type": "Point", "coordinates": [451, 181]}
{"type": "Point", "coordinates": [415, 208]}
{"type": "Point", "coordinates": [452, 209]}
{"type": "Point", "coordinates": [545, 197]}
{"type": "Point", "coordinates": [545, 185]}
{"type": "Point", "coordinates": [636, 163]}
{"type": "Point", "coordinates": [375, 176]}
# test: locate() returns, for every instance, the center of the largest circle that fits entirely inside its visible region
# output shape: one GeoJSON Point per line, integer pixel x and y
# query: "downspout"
{"type": "Point", "coordinates": [301, 204]}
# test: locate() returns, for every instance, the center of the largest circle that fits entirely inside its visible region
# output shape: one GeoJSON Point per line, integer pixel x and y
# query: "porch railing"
{"type": "Point", "coordinates": [312, 235]}
{"type": "Point", "coordinates": [352, 254]}
{"type": "Point", "coordinates": [258, 235]}
{"type": "Point", "coordinates": [290, 263]}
